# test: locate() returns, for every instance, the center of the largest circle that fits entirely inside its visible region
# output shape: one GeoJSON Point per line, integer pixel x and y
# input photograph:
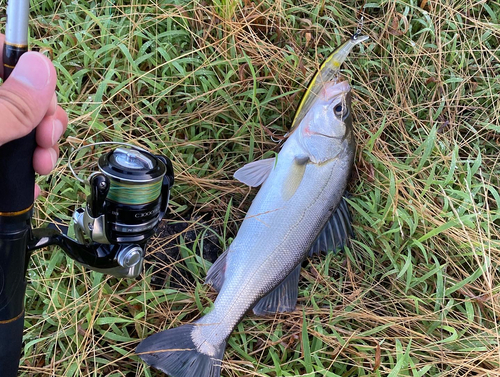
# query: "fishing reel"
{"type": "Point", "coordinates": [128, 197]}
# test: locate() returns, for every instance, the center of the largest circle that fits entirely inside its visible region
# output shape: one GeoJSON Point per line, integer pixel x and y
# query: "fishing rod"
{"type": "Point", "coordinates": [17, 180]}
{"type": "Point", "coordinates": [129, 195]}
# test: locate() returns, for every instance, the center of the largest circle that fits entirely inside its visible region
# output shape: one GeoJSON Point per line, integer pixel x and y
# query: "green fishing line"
{"type": "Point", "coordinates": [134, 194]}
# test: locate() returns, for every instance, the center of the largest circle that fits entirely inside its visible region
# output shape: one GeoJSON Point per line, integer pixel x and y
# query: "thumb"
{"type": "Point", "coordinates": [26, 96]}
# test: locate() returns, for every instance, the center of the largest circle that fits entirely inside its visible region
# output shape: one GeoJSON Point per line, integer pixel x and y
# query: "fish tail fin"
{"type": "Point", "coordinates": [174, 353]}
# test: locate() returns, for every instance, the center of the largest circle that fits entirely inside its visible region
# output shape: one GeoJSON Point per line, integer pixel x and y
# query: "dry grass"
{"type": "Point", "coordinates": [417, 294]}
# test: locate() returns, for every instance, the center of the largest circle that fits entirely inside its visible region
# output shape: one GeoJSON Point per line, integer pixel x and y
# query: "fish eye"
{"type": "Point", "coordinates": [340, 111]}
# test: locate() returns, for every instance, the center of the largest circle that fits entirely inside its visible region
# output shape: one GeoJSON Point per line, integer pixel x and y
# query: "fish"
{"type": "Point", "coordinates": [300, 210]}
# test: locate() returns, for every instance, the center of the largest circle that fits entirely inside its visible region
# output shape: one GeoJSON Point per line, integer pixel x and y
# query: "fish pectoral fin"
{"type": "Point", "coordinates": [302, 159]}
{"type": "Point", "coordinates": [216, 273]}
{"type": "Point", "coordinates": [283, 298]}
{"type": "Point", "coordinates": [294, 176]}
{"type": "Point", "coordinates": [255, 173]}
{"type": "Point", "coordinates": [336, 231]}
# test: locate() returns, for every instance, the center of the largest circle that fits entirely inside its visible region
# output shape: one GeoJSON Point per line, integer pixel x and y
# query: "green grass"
{"type": "Point", "coordinates": [418, 292]}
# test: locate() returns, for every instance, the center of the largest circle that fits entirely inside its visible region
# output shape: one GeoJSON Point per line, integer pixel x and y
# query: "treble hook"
{"type": "Point", "coordinates": [359, 29]}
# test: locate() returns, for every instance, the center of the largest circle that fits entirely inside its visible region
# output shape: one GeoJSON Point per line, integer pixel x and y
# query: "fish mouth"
{"type": "Point", "coordinates": [344, 86]}
{"type": "Point", "coordinates": [330, 136]}
{"type": "Point", "coordinates": [324, 135]}
{"type": "Point", "coordinates": [335, 89]}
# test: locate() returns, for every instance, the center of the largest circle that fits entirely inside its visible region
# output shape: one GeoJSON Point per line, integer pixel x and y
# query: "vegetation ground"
{"type": "Point", "coordinates": [210, 84]}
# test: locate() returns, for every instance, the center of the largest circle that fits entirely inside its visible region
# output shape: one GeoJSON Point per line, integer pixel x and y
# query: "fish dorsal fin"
{"type": "Point", "coordinates": [283, 298]}
{"type": "Point", "coordinates": [335, 232]}
{"type": "Point", "coordinates": [255, 173]}
{"type": "Point", "coordinates": [216, 273]}
{"type": "Point", "coordinates": [294, 176]}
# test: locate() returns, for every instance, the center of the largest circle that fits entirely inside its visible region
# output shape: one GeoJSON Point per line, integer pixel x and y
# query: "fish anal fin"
{"type": "Point", "coordinates": [255, 173]}
{"type": "Point", "coordinates": [336, 231]}
{"type": "Point", "coordinates": [283, 298]}
{"type": "Point", "coordinates": [216, 273]}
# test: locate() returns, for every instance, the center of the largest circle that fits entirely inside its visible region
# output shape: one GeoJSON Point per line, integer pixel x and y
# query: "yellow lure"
{"type": "Point", "coordinates": [328, 71]}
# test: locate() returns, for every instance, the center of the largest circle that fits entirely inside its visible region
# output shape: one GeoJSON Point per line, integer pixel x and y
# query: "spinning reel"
{"type": "Point", "coordinates": [128, 198]}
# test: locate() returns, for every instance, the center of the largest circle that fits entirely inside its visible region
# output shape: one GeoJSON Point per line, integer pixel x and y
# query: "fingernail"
{"type": "Point", "coordinates": [32, 70]}
{"type": "Point", "coordinates": [38, 190]}
{"type": "Point", "coordinates": [53, 157]}
{"type": "Point", "coordinates": [53, 105]}
{"type": "Point", "coordinates": [57, 130]}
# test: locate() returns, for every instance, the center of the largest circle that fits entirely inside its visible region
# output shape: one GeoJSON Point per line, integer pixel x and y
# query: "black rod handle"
{"type": "Point", "coordinates": [17, 177]}
{"type": "Point", "coordinates": [14, 233]}
{"type": "Point", "coordinates": [10, 345]}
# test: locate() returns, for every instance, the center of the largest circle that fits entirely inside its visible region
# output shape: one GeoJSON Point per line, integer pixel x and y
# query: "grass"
{"type": "Point", "coordinates": [416, 294]}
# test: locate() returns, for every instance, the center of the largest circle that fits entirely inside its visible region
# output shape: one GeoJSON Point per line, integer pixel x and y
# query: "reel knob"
{"type": "Point", "coordinates": [129, 256]}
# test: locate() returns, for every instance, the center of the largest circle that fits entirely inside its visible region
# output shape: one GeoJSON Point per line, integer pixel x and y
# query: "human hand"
{"type": "Point", "coordinates": [28, 100]}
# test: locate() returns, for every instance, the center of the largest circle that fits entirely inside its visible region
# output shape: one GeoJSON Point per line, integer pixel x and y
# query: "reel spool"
{"type": "Point", "coordinates": [128, 198]}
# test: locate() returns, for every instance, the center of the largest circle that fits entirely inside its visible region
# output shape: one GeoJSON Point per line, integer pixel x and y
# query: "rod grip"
{"type": "Point", "coordinates": [11, 55]}
{"type": "Point", "coordinates": [14, 233]}
{"type": "Point", "coordinates": [17, 177]}
{"type": "Point", "coordinates": [11, 334]}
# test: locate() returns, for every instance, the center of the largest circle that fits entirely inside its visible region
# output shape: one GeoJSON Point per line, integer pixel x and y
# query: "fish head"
{"type": "Point", "coordinates": [326, 130]}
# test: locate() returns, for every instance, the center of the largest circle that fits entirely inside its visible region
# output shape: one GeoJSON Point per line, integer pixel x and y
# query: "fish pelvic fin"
{"type": "Point", "coordinates": [174, 353]}
{"type": "Point", "coordinates": [255, 173]}
{"type": "Point", "coordinates": [281, 299]}
{"type": "Point", "coordinates": [336, 231]}
{"type": "Point", "coordinates": [216, 273]}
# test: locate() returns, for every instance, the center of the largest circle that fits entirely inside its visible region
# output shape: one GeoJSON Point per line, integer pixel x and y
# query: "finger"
{"type": "Point", "coordinates": [2, 39]}
{"type": "Point", "coordinates": [38, 190]}
{"type": "Point", "coordinates": [26, 96]}
{"type": "Point", "coordinates": [51, 128]}
{"type": "Point", "coordinates": [48, 132]}
{"type": "Point", "coordinates": [52, 106]}
{"type": "Point", "coordinates": [62, 116]}
{"type": "Point", "coordinates": [45, 159]}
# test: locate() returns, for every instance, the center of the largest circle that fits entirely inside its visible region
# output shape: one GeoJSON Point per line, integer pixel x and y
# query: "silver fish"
{"type": "Point", "coordinates": [298, 211]}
